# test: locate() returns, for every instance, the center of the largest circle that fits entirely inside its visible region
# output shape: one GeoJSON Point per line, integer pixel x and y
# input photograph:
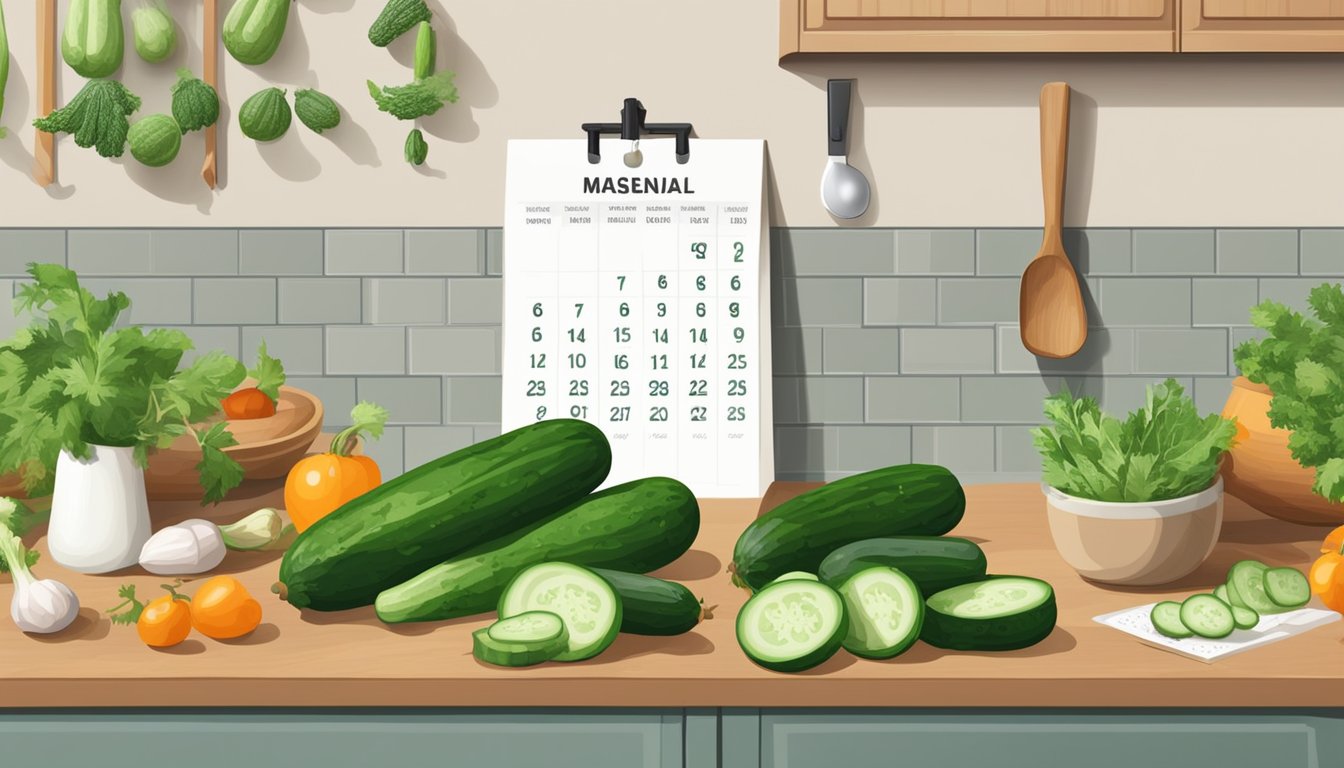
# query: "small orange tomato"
{"type": "Point", "coordinates": [1334, 541]}
{"type": "Point", "coordinates": [250, 403]}
{"type": "Point", "coordinates": [318, 485]}
{"type": "Point", "coordinates": [165, 621]}
{"type": "Point", "coordinates": [223, 609]}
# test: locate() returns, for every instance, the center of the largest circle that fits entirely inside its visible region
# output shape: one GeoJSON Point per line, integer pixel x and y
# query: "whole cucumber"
{"type": "Point", "coordinates": [440, 510]}
{"type": "Point", "coordinates": [909, 499]}
{"type": "Point", "coordinates": [652, 606]}
{"type": "Point", "coordinates": [424, 51]}
{"type": "Point", "coordinates": [636, 527]}
{"type": "Point", "coordinates": [253, 29]}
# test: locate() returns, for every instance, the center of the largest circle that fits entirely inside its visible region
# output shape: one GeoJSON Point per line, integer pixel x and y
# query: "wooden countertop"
{"type": "Point", "coordinates": [351, 659]}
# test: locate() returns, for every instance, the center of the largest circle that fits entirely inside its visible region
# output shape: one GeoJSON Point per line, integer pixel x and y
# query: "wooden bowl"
{"type": "Point", "coordinates": [1261, 471]}
{"type": "Point", "coordinates": [267, 448]}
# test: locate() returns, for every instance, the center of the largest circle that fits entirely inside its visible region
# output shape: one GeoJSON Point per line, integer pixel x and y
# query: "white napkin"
{"type": "Point", "coordinates": [1272, 628]}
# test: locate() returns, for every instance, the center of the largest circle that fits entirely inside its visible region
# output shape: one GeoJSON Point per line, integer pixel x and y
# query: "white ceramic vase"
{"type": "Point", "coordinates": [99, 515]}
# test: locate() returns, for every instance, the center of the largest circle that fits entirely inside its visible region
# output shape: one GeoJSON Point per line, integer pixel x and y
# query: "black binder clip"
{"type": "Point", "coordinates": [632, 126]}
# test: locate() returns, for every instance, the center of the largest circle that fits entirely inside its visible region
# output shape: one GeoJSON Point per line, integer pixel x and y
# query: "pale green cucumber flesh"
{"type": "Point", "coordinates": [1166, 618]}
{"type": "Point", "coordinates": [885, 611]}
{"type": "Point", "coordinates": [585, 602]}
{"type": "Point", "coordinates": [1207, 616]}
{"type": "Point", "coordinates": [1287, 587]}
{"type": "Point", "coordinates": [792, 625]}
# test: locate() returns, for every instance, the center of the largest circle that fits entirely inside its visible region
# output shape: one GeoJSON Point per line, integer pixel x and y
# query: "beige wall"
{"type": "Point", "coordinates": [948, 141]}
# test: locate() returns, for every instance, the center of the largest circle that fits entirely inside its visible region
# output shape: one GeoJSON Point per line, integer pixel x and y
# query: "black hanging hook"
{"type": "Point", "coordinates": [632, 126]}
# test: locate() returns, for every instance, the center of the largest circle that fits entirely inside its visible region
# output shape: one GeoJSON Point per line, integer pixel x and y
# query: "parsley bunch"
{"type": "Point", "coordinates": [72, 379]}
{"type": "Point", "coordinates": [1164, 450]}
{"type": "Point", "coordinates": [1302, 363]}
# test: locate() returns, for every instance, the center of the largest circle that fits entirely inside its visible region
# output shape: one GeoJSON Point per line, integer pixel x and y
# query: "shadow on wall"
{"type": "Point", "coordinates": [13, 153]}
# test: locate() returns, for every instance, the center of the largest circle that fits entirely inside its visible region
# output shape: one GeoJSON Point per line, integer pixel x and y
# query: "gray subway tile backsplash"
{"type": "Point", "coordinates": [889, 345]}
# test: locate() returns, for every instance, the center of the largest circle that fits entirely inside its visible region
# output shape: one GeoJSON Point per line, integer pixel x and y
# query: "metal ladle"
{"type": "Point", "coordinates": [844, 188]}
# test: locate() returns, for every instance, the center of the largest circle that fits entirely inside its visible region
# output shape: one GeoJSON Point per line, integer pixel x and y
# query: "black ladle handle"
{"type": "Point", "coordinates": [837, 115]}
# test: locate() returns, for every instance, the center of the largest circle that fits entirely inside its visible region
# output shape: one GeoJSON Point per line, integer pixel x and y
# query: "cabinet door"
{"type": "Point", "coordinates": [1262, 25]}
{"type": "Point", "coordinates": [339, 740]}
{"type": "Point", "coordinates": [978, 25]}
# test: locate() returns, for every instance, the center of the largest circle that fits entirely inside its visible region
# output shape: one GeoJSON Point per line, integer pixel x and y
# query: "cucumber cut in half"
{"type": "Point", "coordinates": [792, 625]}
{"type": "Point", "coordinates": [885, 610]}
{"type": "Point", "coordinates": [1002, 613]}
{"type": "Point", "coordinates": [1246, 579]}
{"type": "Point", "coordinates": [1244, 618]}
{"type": "Point", "coordinates": [1166, 618]}
{"type": "Point", "coordinates": [1287, 587]}
{"type": "Point", "coordinates": [1207, 616]}
{"type": "Point", "coordinates": [796, 576]}
{"type": "Point", "coordinates": [521, 641]}
{"type": "Point", "coordinates": [584, 601]}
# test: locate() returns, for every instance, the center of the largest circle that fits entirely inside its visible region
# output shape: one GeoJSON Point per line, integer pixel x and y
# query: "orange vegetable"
{"type": "Point", "coordinates": [162, 623]}
{"type": "Point", "coordinates": [250, 403]}
{"type": "Point", "coordinates": [257, 402]}
{"type": "Point", "coordinates": [223, 608]}
{"type": "Point", "coordinates": [319, 484]}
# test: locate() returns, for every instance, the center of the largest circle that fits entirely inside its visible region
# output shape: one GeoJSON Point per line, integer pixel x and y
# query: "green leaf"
{"type": "Point", "coordinates": [269, 373]}
{"type": "Point", "coordinates": [1330, 479]}
{"type": "Point", "coordinates": [219, 473]}
{"type": "Point", "coordinates": [1314, 379]}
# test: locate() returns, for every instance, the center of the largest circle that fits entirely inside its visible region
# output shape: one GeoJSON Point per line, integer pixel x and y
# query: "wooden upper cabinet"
{"type": "Point", "coordinates": [1262, 25]}
{"type": "Point", "coordinates": [835, 26]}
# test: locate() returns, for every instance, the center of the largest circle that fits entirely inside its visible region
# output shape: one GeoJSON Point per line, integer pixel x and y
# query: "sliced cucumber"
{"type": "Point", "coordinates": [1166, 618]}
{"type": "Point", "coordinates": [517, 652]}
{"type": "Point", "coordinates": [792, 625]}
{"type": "Point", "coordinates": [1233, 599]}
{"type": "Point", "coordinates": [1207, 616]}
{"type": "Point", "coordinates": [796, 576]}
{"type": "Point", "coordinates": [584, 601]}
{"type": "Point", "coordinates": [1244, 618]}
{"type": "Point", "coordinates": [1220, 592]}
{"type": "Point", "coordinates": [885, 610]}
{"type": "Point", "coordinates": [1001, 613]}
{"type": "Point", "coordinates": [1247, 578]}
{"type": "Point", "coordinates": [1287, 587]}
{"type": "Point", "coordinates": [534, 627]}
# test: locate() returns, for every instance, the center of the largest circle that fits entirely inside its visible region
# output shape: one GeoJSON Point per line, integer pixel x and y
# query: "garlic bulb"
{"type": "Point", "coordinates": [40, 606]}
{"type": "Point", "coordinates": [190, 547]}
{"type": "Point", "coordinates": [256, 531]}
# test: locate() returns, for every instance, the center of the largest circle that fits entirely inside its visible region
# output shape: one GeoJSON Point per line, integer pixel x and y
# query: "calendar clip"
{"type": "Point", "coordinates": [632, 126]}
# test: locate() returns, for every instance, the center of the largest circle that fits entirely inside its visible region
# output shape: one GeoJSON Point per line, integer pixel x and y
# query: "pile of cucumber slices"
{"type": "Point", "coordinates": [1252, 590]}
{"type": "Point", "coordinates": [797, 621]}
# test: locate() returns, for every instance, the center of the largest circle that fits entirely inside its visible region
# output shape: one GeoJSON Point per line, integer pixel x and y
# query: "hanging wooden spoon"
{"type": "Point", "coordinates": [1050, 310]}
{"type": "Point", "coordinates": [44, 147]}
{"type": "Point", "coordinates": [210, 49]}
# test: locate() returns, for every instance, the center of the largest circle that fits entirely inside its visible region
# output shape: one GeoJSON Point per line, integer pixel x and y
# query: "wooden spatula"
{"type": "Point", "coordinates": [210, 49]}
{"type": "Point", "coordinates": [1050, 309]}
{"type": "Point", "coordinates": [44, 147]}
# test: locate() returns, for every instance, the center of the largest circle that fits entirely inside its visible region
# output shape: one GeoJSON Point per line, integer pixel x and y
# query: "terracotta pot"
{"type": "Point", "coordinates": [1261, 471]}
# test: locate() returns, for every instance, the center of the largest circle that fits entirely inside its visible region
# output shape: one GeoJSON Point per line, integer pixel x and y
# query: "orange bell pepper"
{"type": "Point", "coordinates": [1327, 573]}
{"type": "Point", "coordinates": [223, 609]}
{"type": "Point", "coordinates": [319, 484]}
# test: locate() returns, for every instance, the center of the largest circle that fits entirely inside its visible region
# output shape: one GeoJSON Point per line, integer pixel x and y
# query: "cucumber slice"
{"type": "Point", "coordinates": [1166, 618]}
{"type": "Point", "coordinates": [1220, 592]}
{"type": "Point", "coordinates": [792, 625]}
{"type": "Point", "coordinates": [796, 576]}
{"type": "Point", "coordinates": [1233, 599]}
{"type": "Point", "coordinates": [584, 601]}
{"type": "Point", "coordinates": [1207, 616]}
{"type": "Point", "coordinates": [1287, 587]}
{"type": "Point", "coordinates": [535, 627]}
{"type": "Point", "coordinates": [1244, 618]}
{"type": "Point", "coordinates": [515, 653]}
{"type": "Point", "coordinates": [885, 610]}
{"type": "Point", "coordinates": [1002, 613]}
{"type": "Point", "coordinates": [1247, 581]}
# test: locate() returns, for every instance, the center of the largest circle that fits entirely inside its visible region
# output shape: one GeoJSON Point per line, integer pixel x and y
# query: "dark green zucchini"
{"type": "Point", "coordinates": [910, 499]}
{"type": "Point", "coordinates": [934, 563]}
{"type": "Point", "coordinates": [653, 606]}
{"type": "Point", "coordinates": [636, 527]}
{"type": "Point", "coordinates": [440, 510]}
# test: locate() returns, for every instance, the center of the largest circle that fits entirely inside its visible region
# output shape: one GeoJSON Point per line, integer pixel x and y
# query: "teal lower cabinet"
{"type": "Point", "coordinates": [1032, 739]}
{"type": "Point", "coordinates": [343, 739]}
{"type": "Point", "coordinates": [676, 738]}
